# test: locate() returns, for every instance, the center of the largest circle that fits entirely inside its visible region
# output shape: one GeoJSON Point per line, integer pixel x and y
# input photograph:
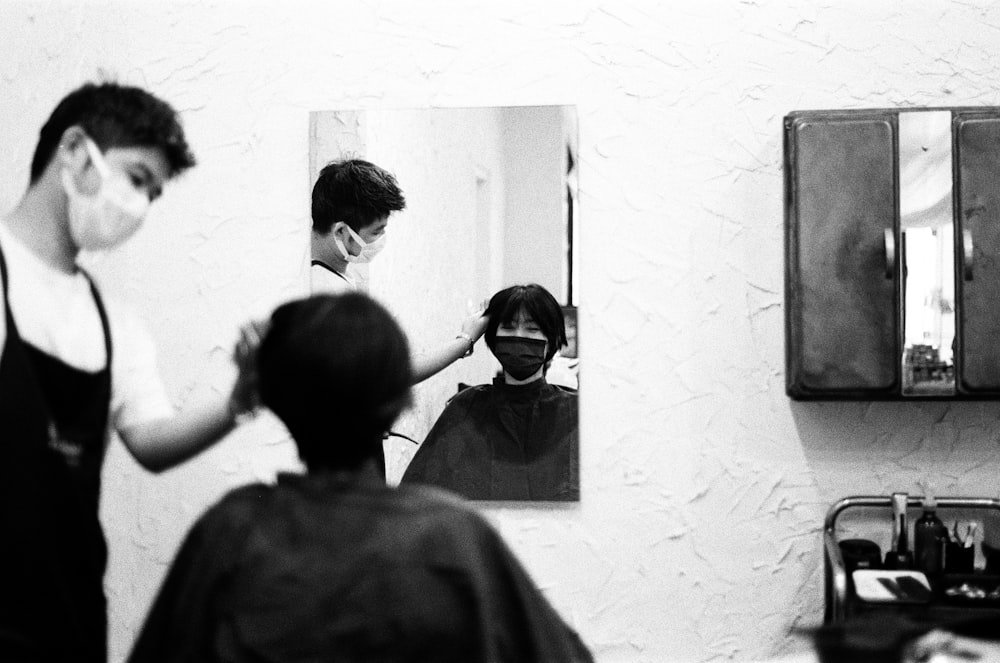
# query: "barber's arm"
{"type": "Point", "coordinates": [163, 443]}
{"type": "Point", "coordinates": [426, 365]}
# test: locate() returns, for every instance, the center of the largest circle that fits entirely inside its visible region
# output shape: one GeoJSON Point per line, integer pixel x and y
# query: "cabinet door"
{"type": "Point", "coordinates": [977, 245]}
{"type": "Point", "coordinates": [842, 274]}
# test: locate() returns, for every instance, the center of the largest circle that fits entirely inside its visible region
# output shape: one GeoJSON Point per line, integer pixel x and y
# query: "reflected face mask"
{"type": "Point", "coordinates": [520, 357]}
{"type": "Point", "coordinates": [368, 249]}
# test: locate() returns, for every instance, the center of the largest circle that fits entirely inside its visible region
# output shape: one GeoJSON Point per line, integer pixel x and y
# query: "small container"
{"type": "Point", "coordinates": [860, 554]}
{"type": "Point", "coordinates": [991, 557]}
{"type": "Point", "coordinates": [959, 558]}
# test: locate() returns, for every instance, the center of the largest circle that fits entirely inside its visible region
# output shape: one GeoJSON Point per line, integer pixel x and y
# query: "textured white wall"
{"type": "Point", "coordinates": [535, 175]}
{"type": "Point", "coordinates": [703, 486]}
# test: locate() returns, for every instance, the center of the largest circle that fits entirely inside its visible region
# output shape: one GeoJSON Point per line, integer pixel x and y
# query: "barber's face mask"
{"type": "Point", "coordinates": [109, 216]}
{"type": "Point", "coordinates": [520, 357]}
{"type": "Point", "coordinates": [368, 249]}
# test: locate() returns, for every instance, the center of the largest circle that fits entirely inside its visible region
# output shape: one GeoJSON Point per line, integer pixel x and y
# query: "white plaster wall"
{"type": "Point", "coordinates": [535, 172]}
{"type": "Point", "coordinates": [703, 486]}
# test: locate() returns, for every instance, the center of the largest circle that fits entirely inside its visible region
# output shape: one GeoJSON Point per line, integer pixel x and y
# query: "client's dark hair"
{"type": "Point", "coordinates": [336, 370]}
{"type": "Point", "coordinates": [538, 303]}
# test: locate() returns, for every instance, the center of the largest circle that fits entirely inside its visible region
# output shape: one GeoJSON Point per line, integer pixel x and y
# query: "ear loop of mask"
{"type": "Point", "coordinates": [97, 159]}
{"type": "Point", "coordinates": [357, 238]}
{"type": "Point", "coordinates": [100, 165]}
{"type": "Point", "coordinates": [368, 249]}
{"type": "Point", "coordinates": [347, 255]}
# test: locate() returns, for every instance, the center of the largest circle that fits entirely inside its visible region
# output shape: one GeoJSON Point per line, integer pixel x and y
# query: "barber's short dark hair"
{"type": "Point", "coordinates": [336, 370]}
{"type": "Point", "coordinates": [114, 115]}
{"type": "Point", "coordinates": [538, 303]}
{"type": "Point", "coordinates": [354, 191]}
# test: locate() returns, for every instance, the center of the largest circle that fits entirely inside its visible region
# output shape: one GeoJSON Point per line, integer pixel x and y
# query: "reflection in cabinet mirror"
{"type": "Point", "coordinates": [925, 212]}
{"type": "Point", "coordinates": [892, 253]}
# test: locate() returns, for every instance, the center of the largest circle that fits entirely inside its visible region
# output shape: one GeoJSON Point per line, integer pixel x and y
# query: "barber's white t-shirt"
{"type": "Point", "coordinates": [323, 281]}
{"type": "Point", "coordinates": [56, 313]}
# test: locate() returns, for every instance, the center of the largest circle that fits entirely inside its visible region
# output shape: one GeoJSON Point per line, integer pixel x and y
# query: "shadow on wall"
{"type": "Point", "coordinates": [875, 448]}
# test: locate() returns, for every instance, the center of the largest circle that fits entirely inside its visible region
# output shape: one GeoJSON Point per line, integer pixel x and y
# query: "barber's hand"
{"type": "Point", "coordinates": [245, 397]}
{"type": "Point", "coordinates": [475, 324]}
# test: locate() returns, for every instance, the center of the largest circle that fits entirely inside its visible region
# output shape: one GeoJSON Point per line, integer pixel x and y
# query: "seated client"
{"type": "Point", "coordinates": [334, 565]}
{"type": "Point", "coordinates": [515, 439]}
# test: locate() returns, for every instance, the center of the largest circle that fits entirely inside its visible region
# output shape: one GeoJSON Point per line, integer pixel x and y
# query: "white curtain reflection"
{"type": "Point", "coordinates": [925, 200]}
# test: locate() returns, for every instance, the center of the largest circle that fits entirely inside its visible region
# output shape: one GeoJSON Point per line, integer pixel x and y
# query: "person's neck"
{"type": "Point", "coordinates": [40, 223]}
{"type": "Point", "coordinates": [322, 250]}
{"type": "Point", "coordinates": [508, 379]}
{"type": "Point", "coordinates": [365, 474]}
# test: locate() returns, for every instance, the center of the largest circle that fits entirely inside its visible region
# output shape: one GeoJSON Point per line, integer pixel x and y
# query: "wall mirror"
{"type": "Point", "coordinates": [491, 201]}
{"type": "Point", "coordinates": [892, 253]}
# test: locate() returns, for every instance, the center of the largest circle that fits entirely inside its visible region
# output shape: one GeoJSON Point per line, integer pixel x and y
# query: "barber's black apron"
{"type": "Point", "coordinates": [52, 550]}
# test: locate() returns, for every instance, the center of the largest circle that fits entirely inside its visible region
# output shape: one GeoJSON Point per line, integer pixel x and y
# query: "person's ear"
{"type": "Point", "coordinates": [73, 155]}
{"type": "Point", "coordinates": [73, 148]}
{"type": "Point", "coordinates": [343, 231]}
{"type": "Point", "coordinates": [339, 229]}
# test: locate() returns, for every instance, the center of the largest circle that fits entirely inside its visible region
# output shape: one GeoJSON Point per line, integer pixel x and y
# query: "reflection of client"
{"type": "Point", "coordinates": [517, 438]}
{"type": "Point", "coordinates": [334, 565]}
{"type": "Point", "coordinates": [351, 203]}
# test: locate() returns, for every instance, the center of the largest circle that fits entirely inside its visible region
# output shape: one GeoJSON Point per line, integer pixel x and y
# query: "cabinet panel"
{"type": "Point", "coordinates": [842, 269]}
{"type": "Point", "coordinates": [977, 244]}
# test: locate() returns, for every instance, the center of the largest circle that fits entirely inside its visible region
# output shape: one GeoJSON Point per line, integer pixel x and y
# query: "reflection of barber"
{"type": "Point", "coordinates": [564, 369]}
{"type": "Point", "coordinates": [75, 366]}
{"type": "Point", "coordinates": [351, 203]}
{"type": "Point", "coordinates": [515, 439]}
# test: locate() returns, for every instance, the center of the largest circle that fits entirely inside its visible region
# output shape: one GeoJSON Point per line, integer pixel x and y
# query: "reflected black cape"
{"type": "Point", "coordinates": [504, 442]}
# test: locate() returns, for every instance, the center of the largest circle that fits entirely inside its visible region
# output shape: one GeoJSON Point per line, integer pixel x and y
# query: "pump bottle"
{"type": "Point", "coordinates": [929, 539]}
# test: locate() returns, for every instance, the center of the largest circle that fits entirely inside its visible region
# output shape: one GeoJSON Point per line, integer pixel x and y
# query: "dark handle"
{"type": "Point", "coordinates": [889, 238]}
{"type": "Point", "coordinates": [967, 254]}
{"type": "Point", "coordinates": [972, 211]}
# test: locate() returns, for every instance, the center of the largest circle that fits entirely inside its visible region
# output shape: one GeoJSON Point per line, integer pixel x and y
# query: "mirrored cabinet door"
{"type": "Point", "coordinates": [977, 238]}
{"type": "Point", "coordinates": [842, 266]}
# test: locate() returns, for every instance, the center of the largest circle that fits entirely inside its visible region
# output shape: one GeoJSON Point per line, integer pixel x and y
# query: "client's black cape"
{"type": "Point", "coordinates": [504, 442]}
{"type": "Point", "coordinates": [326, 568]}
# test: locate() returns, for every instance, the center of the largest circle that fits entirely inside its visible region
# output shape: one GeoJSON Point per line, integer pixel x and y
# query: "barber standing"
{"type": "Point", "coordinates": [75, 366]}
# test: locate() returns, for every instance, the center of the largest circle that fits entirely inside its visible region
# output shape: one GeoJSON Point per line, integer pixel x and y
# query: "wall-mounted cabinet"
{"type": "Point", "coordinates": [892, 249]}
